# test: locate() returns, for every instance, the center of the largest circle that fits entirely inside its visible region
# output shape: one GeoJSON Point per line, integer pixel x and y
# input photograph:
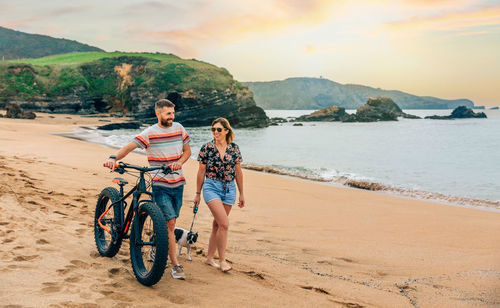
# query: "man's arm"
{"type": "Point", "coordinates": [186, 153]}
{"type": "Point", "coordinates": [110, 162]}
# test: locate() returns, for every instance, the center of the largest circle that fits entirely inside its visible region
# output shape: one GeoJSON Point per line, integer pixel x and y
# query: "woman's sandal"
{"type": "Point", "coordinates": [225, 267]}
{"type": "Point", "coordinates": [212, 263]}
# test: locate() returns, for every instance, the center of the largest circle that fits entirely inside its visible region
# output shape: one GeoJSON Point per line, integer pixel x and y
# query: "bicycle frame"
{"type": "Point", "coordinates": [123, 226]}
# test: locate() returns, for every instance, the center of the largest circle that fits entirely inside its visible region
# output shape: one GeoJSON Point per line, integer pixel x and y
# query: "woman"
{"type": "Point", "coordinates": [219, 165]}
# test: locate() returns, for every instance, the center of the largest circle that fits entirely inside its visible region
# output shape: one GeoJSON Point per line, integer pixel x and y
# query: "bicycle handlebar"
{"type": "Point", "coordinates": [121, 166]}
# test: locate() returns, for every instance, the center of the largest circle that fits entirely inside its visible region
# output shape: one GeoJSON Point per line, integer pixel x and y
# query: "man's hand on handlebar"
{"type": "Point", "coordinates": [110, 163]}
{"type": "Point", "coordinates": [176, 166]}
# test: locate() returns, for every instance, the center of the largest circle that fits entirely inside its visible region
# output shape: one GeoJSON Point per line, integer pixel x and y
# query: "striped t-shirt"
{"type": "Point", "coordinates": [164, 147]}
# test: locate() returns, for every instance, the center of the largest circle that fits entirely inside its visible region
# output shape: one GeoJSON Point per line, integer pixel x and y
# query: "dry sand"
{"type": "Point", "coordinates": [297, 243]}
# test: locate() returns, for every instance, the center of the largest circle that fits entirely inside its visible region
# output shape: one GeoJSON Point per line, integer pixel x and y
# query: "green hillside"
{"type": "Point", "coordinates": [108, 76]}
{"type": "Point", "coordinates": [20, 45]}
{"type": "Point", "coordinates": [317, 93]}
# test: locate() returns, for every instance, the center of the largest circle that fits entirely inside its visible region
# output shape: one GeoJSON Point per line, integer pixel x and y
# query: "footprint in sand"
{"type": "Point", "coordinates": [172, 298]}
{"type": "Point", "coordinates": [73, 279]}
{"type": "Point", "coordinates": [63, 271]}
{"type": "Point", "coordinates": [253, 274]}
{"type": "Point", "coordinates": [114, 271]}
{"type": "Point", "coordinates": [8, 240]}
{"type": "Point", "coordinates": [25, 258]}
{"type": "Point", "coordinates": [319, 290]}
{"type": "Point", "coordinates": [51, 287]}
{"type": "Point", "coordinates": [42, 242]}
{"type": "Point", "coordinates": [347, 260]}
{"type": "Point", "coordinates": [80, 264]}
{"type": "Point", "coordinates": [116, 295]}
{"type": "Point", "coordinates": [113, 285]}
{"type": "Point", "coordinates": [60, 213]}
{"type": "Point", "coordinates": [81, 231]}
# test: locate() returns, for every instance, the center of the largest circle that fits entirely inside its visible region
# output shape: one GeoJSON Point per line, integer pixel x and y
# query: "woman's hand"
{"type": "Point", "coordinates": [197, 200]}
{"type": "Point", "coordinates": [242, 201]}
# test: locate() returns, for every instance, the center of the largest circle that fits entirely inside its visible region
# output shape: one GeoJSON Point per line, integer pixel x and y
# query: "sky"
{"type": "Point", "coordinates": [443, 48]}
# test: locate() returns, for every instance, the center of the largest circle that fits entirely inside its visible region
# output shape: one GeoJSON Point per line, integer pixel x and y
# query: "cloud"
{"type": "Point", "coordinates": [43, 17]}
{"type": "Point", "coordinates": [448, 21]}
{"type": "Point", "coordinates": [252, 20]}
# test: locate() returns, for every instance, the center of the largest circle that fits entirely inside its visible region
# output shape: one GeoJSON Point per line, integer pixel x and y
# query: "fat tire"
{"type": "Point", "coordinates": [151, 277]}
{"type": "Point", "coordinates": [107, 196]}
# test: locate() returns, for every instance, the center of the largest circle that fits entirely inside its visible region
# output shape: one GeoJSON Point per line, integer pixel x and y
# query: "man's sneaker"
{"type": "Point", "coordinates": [177, 272]}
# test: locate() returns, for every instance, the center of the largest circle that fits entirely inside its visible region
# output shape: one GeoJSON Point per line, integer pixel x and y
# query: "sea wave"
{"type": "Point", "coordinates": [118, 138]}
{"type": "Point", "coordinates": [360, 182]}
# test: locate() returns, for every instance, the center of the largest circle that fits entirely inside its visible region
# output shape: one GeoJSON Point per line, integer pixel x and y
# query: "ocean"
{"type": "Point", "coordinates": [452, 161]}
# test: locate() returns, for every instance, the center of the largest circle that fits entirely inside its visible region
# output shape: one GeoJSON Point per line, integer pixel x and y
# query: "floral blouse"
{"type": "Point", "coordinates": [216, 168]}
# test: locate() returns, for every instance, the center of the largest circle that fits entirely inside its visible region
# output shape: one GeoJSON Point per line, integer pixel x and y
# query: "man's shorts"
{"type": "Point", "coordinates": [169, 200]}
{"type": "Point", "coordinates": [213, 189]}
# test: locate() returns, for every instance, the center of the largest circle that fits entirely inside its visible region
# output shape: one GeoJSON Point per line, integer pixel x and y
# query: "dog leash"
{"type": "Point", "coordinates": [195, 210]}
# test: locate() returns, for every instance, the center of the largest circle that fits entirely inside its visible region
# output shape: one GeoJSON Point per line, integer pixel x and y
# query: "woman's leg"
{"type": "Point", "coordinates": [212, 245]}
{"type": "Point", "coordinates": [219, 229]}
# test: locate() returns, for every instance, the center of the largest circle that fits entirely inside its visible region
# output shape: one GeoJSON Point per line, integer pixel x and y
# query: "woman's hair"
{"type": "Point", "coordinates": [225, 123]}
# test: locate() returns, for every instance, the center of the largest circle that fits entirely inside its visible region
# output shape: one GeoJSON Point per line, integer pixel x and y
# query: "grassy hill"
{"type": "Point", "coordinates": [317, 93]}
{"type": "Point", "coordinates": [20, 45]}
{"type": "Point", "coordinates": [104, 74]}
{"type": "Point", "coordinates": [129, 83]}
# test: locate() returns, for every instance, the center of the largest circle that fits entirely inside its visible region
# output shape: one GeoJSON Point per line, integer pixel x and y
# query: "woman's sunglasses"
{"type": "Point", "coordinates": [216, 129]}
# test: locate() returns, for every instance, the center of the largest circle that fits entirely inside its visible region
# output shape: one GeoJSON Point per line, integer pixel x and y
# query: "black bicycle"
{"type": "Point", "coordinates": [148, 232]}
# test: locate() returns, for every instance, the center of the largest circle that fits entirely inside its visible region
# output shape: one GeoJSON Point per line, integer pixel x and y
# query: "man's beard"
{"type": "Point", "coordinates": [166, 123]}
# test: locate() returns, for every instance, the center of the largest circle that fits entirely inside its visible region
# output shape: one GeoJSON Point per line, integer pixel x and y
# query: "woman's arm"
{"type": "Point", "coordinates": [200, 178]}
{"type": "Point", "coordinates": [239, 181]}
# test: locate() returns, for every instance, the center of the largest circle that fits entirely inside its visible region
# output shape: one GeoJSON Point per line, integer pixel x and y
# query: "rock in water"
{"type": "Point", "coordinates": [375, 109]}
{"type": "Point", "coordinates": [126, 125]}
{"type": "Point", "coordinates": [329, 114]}
{"type": "Point", "coordinates": [461, 112]}
{"type": "Point", "coordinates": [379, 109]}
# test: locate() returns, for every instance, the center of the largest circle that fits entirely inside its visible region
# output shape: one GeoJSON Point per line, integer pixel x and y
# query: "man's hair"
{"type": "Point", "coordinates": [163, 103]}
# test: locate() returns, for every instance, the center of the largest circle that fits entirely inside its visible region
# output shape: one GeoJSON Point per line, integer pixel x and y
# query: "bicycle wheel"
{"type": "Point", "coordinates": [108, 243]}
{"type": "Point", "coordinates": [149, 244]}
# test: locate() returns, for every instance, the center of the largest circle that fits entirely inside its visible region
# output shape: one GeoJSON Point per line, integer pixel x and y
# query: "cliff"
{"type": "Point", "coordinates": [128, 83]}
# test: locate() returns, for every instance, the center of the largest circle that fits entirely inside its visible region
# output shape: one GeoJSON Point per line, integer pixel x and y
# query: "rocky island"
{"type": "Point", "coordinates": [460, 112]}
{"type": "Point", "coordinates": [375, 109]}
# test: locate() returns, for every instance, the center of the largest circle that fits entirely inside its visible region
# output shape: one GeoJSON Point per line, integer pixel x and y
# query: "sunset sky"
{"type": "Point", "coordinates": [444, 48]}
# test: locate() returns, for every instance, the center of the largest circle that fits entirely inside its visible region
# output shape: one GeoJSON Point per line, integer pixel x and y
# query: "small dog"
{"type": "Point", "coordinates": [185, 238]}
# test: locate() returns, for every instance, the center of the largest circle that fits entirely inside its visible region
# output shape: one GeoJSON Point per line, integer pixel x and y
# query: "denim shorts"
{"type": "Point", "coordinates": [213, 189]}
{"type": "Point", "coordinates": [169, 200]}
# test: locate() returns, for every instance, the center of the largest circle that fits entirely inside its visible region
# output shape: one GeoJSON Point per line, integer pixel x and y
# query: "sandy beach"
{"type": "Point", "coordinates": [297, 243]}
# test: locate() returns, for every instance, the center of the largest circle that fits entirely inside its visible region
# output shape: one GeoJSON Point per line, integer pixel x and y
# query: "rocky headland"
{"type": "Point", "coordinates": [129, 84]}
{"type": "Point", "coordinates": [317, 93]}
